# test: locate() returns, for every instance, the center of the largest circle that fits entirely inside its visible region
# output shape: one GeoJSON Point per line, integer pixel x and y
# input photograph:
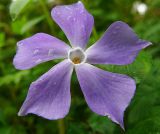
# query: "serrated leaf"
{"type": "Point", "coordinates": [16, 7]}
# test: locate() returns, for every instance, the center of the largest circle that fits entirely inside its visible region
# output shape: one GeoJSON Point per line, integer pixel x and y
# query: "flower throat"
{"type": "Point", "coordinates": [76, 55]}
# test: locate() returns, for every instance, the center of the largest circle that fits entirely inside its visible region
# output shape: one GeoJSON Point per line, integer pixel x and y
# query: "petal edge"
{"type": "Point", "coordinates": [38, 48]}
{"type": "Point", "coordinates": [119, 46]}
{"type": "Point", "coordinates": [75, 21]}
{"type": "Point", "coordinates": [106, 93]}
{"type": "Point", "coordinates": [49, 96]}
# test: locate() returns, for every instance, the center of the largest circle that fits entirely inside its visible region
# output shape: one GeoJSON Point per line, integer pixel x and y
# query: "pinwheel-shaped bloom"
{"type": "Point", "coordinates": [106, 93]}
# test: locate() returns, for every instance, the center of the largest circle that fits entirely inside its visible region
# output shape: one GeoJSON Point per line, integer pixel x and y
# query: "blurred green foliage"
{"type": "Point", "coordinates": [20, 19]}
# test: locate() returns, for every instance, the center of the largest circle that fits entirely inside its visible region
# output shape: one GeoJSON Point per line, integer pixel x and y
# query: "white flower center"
{"type": "Point", "coordinates": [77, 56]}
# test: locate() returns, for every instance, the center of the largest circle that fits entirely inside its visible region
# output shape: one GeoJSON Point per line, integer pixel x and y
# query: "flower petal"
{"type": "Point", "coordinates": [107, 94]}
{"type": "Point", "coordinates": [119, 45]}
{"type": "Point", "coordinates": [75, 21]}
{"type": "Point", "coordinates": [37, 49]}
{"type": "Point", "coordinates": [49, 96]}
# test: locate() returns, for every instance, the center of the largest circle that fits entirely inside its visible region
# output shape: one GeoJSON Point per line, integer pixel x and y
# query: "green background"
{"type": "Point", "coordinates": [23, 18]}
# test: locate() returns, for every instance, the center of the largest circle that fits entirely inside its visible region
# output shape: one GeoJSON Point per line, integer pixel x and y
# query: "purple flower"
{"type": "Point", "coordinates": [106, 93]}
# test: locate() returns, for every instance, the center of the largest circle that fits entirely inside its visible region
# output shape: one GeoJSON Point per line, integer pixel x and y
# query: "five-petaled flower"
{"type": "Point", "coordinates": [106, 93]}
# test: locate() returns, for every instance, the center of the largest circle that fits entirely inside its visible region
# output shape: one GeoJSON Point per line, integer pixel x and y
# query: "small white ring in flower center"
{"type": "Point", "coordinates": [77, 56]}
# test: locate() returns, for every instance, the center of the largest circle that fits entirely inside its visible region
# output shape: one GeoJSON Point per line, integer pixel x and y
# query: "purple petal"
{"type": "Point", "coordinates": [119, 45]}
{"type": "Point", "coordinates": [107, 94]}
{"type": "Point", "coordinates": [75, 21]}
{"type": "Point", "coordinates": [49, 96]}
{"type": "Point", "coordinates": [37, 49]}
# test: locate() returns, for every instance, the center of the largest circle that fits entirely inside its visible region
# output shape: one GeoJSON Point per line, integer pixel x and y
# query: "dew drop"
{"type": "Point", "coordinates": [36, 51]}
{"type": "Point", "coordinates": [34, 82]}
{"type": "Point", "coordinates": [105, 114]}
{"type": "Point", "coordinates": [58, 13]}
{"type": "Point", "coordinates": [82, 26]}
{"type": "Point", "coordinates": [50, 52]}
{"type": "Point", "coordinates": [109, 116]}
{"type": "Point", "coordinates": [74, 19]}
{"type": "Point", "coordinates": [68, 18]}
{"type": "Point", "coordinates": [40, 79]}
{"type": "Point", "coordinates": [68, 8]}
{"type": "Point", "coordinates": [139, 41]}
{"type": "Point", "coordinates": [82, 11]}
{"type": "Point", "coordinates": [19, 44]}
{"type": "Point", "coordinates": [55, 83]}
{"type": "Point", "coordinates": [117, 27]}
{"type": "Point", "coordinates": [38, 61]}
{"type": "Point", "coordinates": [114, 32]}
{"type": "Point", "coordinates": [79, 2]}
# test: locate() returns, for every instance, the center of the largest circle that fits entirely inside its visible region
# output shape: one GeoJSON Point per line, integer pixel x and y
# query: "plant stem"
{"type": "Point", "coordinates": [47, 15]}
{"type": "Point", "coordinates": [61, 126]}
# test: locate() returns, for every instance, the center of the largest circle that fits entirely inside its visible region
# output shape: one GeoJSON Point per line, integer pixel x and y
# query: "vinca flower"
{"type": "Point", "coordinates": [106, 93]}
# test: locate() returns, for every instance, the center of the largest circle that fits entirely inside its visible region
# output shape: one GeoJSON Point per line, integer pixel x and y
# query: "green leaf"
{"type": "Point", "coordinates": [138, 69]}
{"type": "Point", "coordinates": [5, 130]}
{"type": "Point", "coordinates": [101, 125]}
{"type": "Point", "coordinates": [2, 39]}
{"type": "Point", "coordinates": [16, 7]}
{"type": "Point", "coordinates": [18, 25]}
{"type": "Point", "coordinates": [31, 23]}
{"type": "Point", "coordinates": [15, 78]}
{"type": "Point", "coordinates": [149, 126]}
{"type": "Point", "coordinates": [76, 128]}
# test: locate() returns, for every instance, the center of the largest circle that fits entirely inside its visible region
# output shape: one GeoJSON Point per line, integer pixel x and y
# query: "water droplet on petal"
{"type": "Point", "coordinates": [35, 51]}
{"type": "Point", "coordinates": [38, 61]}
{"type": "Point", "coordinates": [40, 79]}
{"type": "Point", "coordinates": [82, 28]}
{"type": "Point", "coordinates": [79, 2]}
{"type": "Point", "coordinates": [105, 114]}
{"type": "Point", "coordinates": [74, 19]}
{"type": "Point", "coordinates": [55, 83]}
{"type": "Point", "coordinates": [20, 43]}
{"type": "Point", "coordinates": [114, 32]}
{"type": "Point", "coordinates": [109, 116]}
{"type": "Point", "coordinates": [68, 18]}
{"type": "Point", "coordinates": [68, 8]}
{"type": "Point", "coordinates": [58, 13]}
{"type": "Point", "coordinates": [50, 52]}
{"type": "Point", "coordinates": [81, 11]}
{"type": "Point", "coordinates": [117, 27]}
{"type": "Point", "coordinates": [34, 82]}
